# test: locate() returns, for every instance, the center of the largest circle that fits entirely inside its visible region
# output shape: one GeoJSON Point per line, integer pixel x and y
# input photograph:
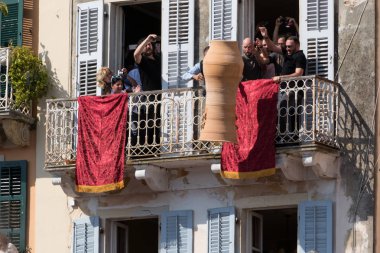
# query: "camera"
{"type": "Point", "coordinates": [283, 20]}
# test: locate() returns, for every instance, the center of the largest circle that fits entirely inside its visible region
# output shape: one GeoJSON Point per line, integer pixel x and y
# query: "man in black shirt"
{"type": "Point", "coordinates": [252, 61]}
{"type": "Point", "coordinates": [149, 65]}
{"type": "Point", "coordinates": [294, 65]}
{"type": "Point", "coordinates": [294, 58]}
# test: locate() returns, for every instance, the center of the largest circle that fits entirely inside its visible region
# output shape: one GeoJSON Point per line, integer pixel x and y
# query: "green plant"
{"type": "Point", "coordinates": [29, 77]}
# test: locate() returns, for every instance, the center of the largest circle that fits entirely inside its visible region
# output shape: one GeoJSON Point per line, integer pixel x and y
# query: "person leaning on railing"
{"type": "Point", "coordinates": [294, 66]}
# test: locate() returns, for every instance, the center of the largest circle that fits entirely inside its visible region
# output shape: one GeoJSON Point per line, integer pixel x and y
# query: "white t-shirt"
{"type": "Point", "coordinates": [11, 249]}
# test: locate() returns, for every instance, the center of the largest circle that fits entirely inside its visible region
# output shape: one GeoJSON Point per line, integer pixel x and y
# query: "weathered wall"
{"type": "Point", "coordinates": [52, 219]}
{"type": "Point", "coordinates": [355, 39]}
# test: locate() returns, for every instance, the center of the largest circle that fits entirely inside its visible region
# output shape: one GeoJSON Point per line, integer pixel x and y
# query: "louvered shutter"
{"type": "Point", "coordinates": [89, 46]}
{"type": "Point", "coordinates": [13, 183]}
{"type": "Point", "coordinates": [317, 36]}
{"type": "Point", "coordinates": [221, 230]}
{"type": "Point", "coordinates": [177, 232]}
{"type": "Point", "coordinates": [86, 235]}
{"type": "Point", "coordinates": [177, 42]}
{"type": "Point", "coordinates": [315, 227]}
{"type": "Point", "coordinates": [11, 25]}
{"type": "Point", "coordinates": [223, 20]}
{"type": "Point", "coordinates": [178, 56]}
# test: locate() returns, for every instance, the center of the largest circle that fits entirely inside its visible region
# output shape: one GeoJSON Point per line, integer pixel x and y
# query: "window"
{"type": "Point", "coordinates": [304, 229]}
{"type": "Point", "coordinates": [11, 25]}
{"type": "Point", "coordinates": [232, 19]}
{"type": "Point", "coordinates": [13, 178]}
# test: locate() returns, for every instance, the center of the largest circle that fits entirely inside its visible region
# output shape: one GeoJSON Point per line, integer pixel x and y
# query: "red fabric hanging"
{"type": "Point", "coordinates": [102, 123]}
{"type": "Point", "coordinates": [256, 117]}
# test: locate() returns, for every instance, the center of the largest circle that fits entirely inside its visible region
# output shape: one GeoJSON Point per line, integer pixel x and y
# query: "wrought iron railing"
{"type": "Point", "coordinates": [7, 98]}
{"type": "Point", "coordinates": [167, 123]}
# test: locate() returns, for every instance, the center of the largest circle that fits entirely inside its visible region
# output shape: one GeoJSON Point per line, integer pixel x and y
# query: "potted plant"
{"type": "Point", "coordinates": [28, 76]}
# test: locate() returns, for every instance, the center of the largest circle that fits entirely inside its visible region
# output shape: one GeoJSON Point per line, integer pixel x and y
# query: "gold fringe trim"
{"type": "Point", "coordinates": [100, 188]}
{"type": "Point", "coordinates": [247, 175]}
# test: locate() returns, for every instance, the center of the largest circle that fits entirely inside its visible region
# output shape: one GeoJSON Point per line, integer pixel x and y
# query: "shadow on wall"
{"type": "Point", "coordinates": [357, 168]}
{"type": "Point", "coordinates": [56, 89]}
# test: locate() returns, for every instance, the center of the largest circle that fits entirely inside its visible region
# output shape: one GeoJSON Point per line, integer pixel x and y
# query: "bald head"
{"type": "Point", "coordinates": [247, 46]}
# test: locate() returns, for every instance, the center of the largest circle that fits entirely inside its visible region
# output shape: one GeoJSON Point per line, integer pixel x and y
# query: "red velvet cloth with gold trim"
{"type": "Point", "coordinates": [253, 155]}
{"type": "Point", "coordinates": [102, 124]}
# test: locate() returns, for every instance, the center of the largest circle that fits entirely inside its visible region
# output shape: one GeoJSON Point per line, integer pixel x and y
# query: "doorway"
{"type": "Point", "coordinates": [140, 21]}
{"type": "Point", "coordinates": [273, 231]}
{"type": "Point", "coordinates": [133, 236]}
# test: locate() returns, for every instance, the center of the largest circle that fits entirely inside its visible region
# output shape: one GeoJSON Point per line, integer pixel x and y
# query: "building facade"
{"type": "Point", "coordinates": [322, 195]}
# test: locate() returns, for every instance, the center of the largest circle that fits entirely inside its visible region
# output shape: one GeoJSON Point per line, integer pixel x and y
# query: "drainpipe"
{"type": "Point", "coordinates": [376, 231]}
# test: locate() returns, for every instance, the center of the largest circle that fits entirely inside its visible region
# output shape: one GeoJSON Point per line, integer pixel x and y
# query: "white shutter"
{"type": "Point", "coordinates": [86, 235]}
{"type": "Point", "coordinates": [178, 56]}
{"type": "Point", "coordinates": [177, 232]}
{"type": "Point", "coordinates": [89, 46]}
{"type": "Point", "coordinates": [221, 230]}
{"type": "Point", "coordinates": [223, 19]}
{"type": "Point", "coordinates": [315, 227]}
{"type": "Point", "coordinates": [177, 42]}
{"type": "Point", "coordinates": [317, 36]}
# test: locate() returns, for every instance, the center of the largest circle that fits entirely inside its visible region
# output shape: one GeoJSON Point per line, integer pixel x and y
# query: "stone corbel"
{"type": "Point", "coordinates": [17, 132]}
{"type": "Point", "coordinates": [324, 165]}
{"type": "Point", "coordinates": [293, 168]}
{"type": "Point", "coordinates": [155, 177]}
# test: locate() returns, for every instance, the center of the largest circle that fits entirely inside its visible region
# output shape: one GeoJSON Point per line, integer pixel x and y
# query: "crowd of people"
{"type": "Point", "coordinates": [281, 57]}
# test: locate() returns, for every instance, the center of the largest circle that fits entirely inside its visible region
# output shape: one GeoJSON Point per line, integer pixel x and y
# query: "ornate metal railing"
{"type": "Point", "coordinates": [7, 100]}
{"type": "Point", "coordinates": [167, 123]}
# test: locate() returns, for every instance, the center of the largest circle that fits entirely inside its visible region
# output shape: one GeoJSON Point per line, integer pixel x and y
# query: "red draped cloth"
{"type": "Point", "coordinates": [253, 155]}
{"type": "Point", "coordinates": [102, 123]}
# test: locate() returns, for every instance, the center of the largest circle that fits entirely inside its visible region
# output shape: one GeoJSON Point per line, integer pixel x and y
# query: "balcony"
{"type": "Point", "coordinates": [306, 130]}
{"type": "Point", "coordinates": [14, 121]}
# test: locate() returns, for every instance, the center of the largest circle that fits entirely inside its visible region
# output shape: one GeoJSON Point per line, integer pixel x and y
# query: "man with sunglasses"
{"type": "Point", "coordinates": [294, 58]}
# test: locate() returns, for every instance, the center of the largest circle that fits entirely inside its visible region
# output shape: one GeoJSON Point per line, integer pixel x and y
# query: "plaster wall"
{"type": "Point", "coordinates": [355, 68]}
{"type": "Point", "coordinates": [52, 219]}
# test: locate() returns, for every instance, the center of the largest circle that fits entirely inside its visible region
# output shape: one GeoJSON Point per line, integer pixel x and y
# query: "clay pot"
{"type": "Point", "coordinates": [222, 68]}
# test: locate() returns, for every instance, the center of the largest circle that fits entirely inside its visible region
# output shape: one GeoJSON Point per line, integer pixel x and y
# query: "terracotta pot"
{"type": "Point", "coordinates": [222, 68]}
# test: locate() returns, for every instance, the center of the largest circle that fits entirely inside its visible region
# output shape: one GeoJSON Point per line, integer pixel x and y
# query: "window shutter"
{"type": "Point", "coordinates": [315, 227]}
{"type": "Point", "coordinates": [317, 36]}
{"type": "Point", "coordinates": [11, 25]}
{"type": "Point", "coordinates": [89, 46]}
{"type": "Point", "coordinates": [86, 235]}
{"type": "Point", "coordinates": [13, 183]}
{"type": "Point", "coordinates": [221, 229]}
{"type": "Point", "coordinates": [223, 20]}
{"type": "Point", "coordinates": [177, 42]}
{"type": "Point", "coordinates": [177, 232]}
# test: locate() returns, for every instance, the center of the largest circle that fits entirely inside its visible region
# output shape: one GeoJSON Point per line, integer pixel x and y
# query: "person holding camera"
{"type": "Point", "coordinates": [149, 63]}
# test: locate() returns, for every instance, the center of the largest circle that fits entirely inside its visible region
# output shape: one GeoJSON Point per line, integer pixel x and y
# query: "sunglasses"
{"type": "Point", "coordinates": [288, 46]}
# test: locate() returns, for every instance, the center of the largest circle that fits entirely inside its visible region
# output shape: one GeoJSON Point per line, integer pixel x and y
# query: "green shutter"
{"type": "Point", "coordinates": [13, 180]}
{"type": "Point", "coordinates": [11, 25]}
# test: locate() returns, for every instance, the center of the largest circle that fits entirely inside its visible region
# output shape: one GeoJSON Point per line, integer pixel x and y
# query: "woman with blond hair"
{"type": "Point", "coordinates": [103, 79]}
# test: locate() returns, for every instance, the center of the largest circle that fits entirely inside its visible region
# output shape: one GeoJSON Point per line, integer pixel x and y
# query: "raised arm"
{"type": "Point", "coordinates": [271, 46]}
{"type": "Point", "coordinates": [276, 29]}
{"type": "Point", "coordinates": [140, 49]}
